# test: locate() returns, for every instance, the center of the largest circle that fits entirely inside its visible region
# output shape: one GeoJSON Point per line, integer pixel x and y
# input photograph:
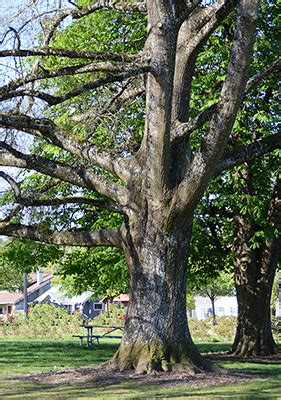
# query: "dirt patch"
{"type": "Point", "coordinates": [102, 375]}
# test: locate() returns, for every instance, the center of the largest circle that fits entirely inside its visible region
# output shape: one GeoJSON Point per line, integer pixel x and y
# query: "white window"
{"type": "Point", "coordinates": [1, 310]}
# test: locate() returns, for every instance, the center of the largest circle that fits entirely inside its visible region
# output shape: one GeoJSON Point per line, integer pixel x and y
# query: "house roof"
{"type": "Point", "coordinates": [9, 298]}
{"type": "Point", "coordinates": [121, 297]}
{"type": "Point", "coordinates": [47, 277]}
{"type": "Point", "coordinates": [56, 295]}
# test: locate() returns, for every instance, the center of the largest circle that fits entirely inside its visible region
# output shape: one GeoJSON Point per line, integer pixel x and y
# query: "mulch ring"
{"type": "Point", "coordinates": [103, 375]}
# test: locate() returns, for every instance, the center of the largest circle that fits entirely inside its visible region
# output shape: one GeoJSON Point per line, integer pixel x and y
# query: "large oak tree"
{"type": "Point", "coordinates": [154, 186]}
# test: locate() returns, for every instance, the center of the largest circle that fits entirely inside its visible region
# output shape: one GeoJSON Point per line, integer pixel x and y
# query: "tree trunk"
{"type": "Point", "coordinates": [156, 336]}
{"type": "Point", "coordinates": [254, 275]}
{"type": "Point", "coordinates": [253, 334]}
{"type": "Point", "coordinates": [214, 317]}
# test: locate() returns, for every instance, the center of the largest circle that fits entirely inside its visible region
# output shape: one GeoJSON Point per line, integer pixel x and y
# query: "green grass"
{"type": "Point", "coordinates": [22, 356]}
{"type": "Point", "coordinates": [19, 355]}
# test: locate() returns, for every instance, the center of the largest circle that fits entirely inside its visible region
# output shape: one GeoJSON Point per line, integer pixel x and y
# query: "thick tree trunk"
{"type": "Point", "coordinates": [254, 275]}
{"type": "Point", "coordinates": [156, 336]}
{"type": "Point", "coordinates": [253, 334]}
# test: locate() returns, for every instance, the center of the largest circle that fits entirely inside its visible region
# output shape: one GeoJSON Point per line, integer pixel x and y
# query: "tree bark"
{"type": "Point", "coordinates": [253, 333]}
{"type": "Point", "coordinates": [156, 336]}
{"type": "Point", "coordinates": [214, 317]}
{"type": "Point", "coordinates": [254, 275]}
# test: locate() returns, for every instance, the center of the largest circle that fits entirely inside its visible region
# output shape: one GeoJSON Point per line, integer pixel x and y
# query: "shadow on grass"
{"type": "Point", "coordinates": [25, 356]}
{"type": "Point", "coordinates": [125, 389]}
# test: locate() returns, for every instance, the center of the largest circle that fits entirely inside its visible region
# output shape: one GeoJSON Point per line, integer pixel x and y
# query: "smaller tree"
{"type": "Point", "coordinates": [213, 288]}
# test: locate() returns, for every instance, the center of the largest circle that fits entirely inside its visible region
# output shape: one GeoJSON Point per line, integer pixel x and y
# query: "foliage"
{"type": "Point", "coordinates": [114, 316]}
{"type": "Point", "coordinates": [18, 256]}
{"type": "Point", "coordinates": [44, 320]}
{"type": "Point", "coordinates": [222, 285]}
{"type": "Point", "coordinates": [205, 331]}
{"type": "Point", "coordinates": [101, 270]}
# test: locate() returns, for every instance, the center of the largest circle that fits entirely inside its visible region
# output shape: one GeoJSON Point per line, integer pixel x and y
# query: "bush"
{"type": "Point", "coordinates": [276, 328]}
{"type": "Point", "coordinates": [116, 315]}
{"type": "Point", "coordinates": [44, 320]}
{"type": "Point", "coordinates": [226, 327]}
{"type": "Point", "coordinates": [205, 331]}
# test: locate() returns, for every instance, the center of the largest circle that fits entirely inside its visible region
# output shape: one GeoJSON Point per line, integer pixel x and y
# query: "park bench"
{"type": "Point", "coordinates": [90, 337]}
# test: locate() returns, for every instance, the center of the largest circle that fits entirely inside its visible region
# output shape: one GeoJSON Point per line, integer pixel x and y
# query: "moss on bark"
{"type": "Point", "coordinates": [155, 357]}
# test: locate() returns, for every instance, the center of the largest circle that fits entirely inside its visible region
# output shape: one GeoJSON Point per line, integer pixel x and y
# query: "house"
{"type": "Point", "coordinates": [36, 288]}
{"type": "Point", "coordinates": [7, 302]}
{"type": "Point", "coordinates": [11, 302]}
{"type": "Point", "coordinates": [225, 305]}
{"type": "Point", "coordinates": [84, 303]}
{"type": "Point", "coordinates": [121, 300]}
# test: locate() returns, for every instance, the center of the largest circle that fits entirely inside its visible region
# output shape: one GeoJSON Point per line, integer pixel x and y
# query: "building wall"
{"type": "Point", "coordinates": [34, 295]}
{"type": "Point", "coordinates": [92, 309]}
{"type": "Point", "coordinates": [5, 309]}
{"type": "Point", "coordinates": [226, 305]}
{"type": "Point", "coordinates": [278, 305]}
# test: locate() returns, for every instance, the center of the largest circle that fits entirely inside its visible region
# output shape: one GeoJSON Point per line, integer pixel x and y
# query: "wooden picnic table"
{"type": "Point", "coordinates": [90, 336]}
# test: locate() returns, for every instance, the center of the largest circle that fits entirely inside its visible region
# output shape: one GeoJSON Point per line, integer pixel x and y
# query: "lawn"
{"type": "Point", "coordinates": [20, 357]}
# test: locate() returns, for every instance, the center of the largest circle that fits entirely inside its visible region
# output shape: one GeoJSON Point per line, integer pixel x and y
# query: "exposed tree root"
{"type": "Point", "coordinates": [153, 357]}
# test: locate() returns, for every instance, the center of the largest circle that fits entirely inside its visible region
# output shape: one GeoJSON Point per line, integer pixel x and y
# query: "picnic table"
{"type": "Point", "coordinates": [107, 331]}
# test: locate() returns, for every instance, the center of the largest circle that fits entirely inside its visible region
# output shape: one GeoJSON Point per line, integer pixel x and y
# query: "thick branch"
{"type": "Point", "coordinates": [33, 202]}
{"type": "Point", "coordinates": [47, 130]}
{"type": "Point", "coordinates": [103, 237]}
{"type": "Point", "coordinates": [206, 158]}
{"type": "Point", "coordinates": [248, 153]}
{"type": "Point", "coordinates": [138, 6]}
{"type": "Point", "coordinates": [78, 176]}
{"type": "Point", "coordinates": [192, 36]}
{"type": "Point", "coordinates": [184, 129]}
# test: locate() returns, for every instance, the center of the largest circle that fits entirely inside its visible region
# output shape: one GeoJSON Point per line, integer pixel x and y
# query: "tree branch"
{"type": "Point", "coordinates": [103, 237]}
{"type": "Point", "coordinates": [192, 36]}
{"type": "Point", "coordinates": [248, 152]}
{"type": "Point", "coordinates": [206, 158]}
{"type": "Point", "coordinates": [72, 70]}
{"type": "Point", "coordinates": [138, 6]}
{"type": "Point", "coordinates": [46, 129]}
{"type": "Point", "coordinates": [184, 129]}
{"type": "Point", "coordinates": [54, 100]}
{"type": "Point", "coordinates": [15, 187]}
{"type": "Point", "coordinates": [105, 204]}
{"type": "Point", "coordinates": [77, 175]}
{"type": "Point", "coordinates": [69, 53]}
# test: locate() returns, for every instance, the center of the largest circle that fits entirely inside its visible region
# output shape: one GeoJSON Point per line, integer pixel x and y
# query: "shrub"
{"type": "Point", "coordinates": [225, 329]}
{"type": "Point", "coordinates": [199, 329]}
{"type": "Point", "coordinates": [44, 320]}
{"type": "Point", "coordinates": [114, 316]}
{"type": "Point", "coordinates": [204, 331]}
{"type": "Point", "coordinates": [276, 328]}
